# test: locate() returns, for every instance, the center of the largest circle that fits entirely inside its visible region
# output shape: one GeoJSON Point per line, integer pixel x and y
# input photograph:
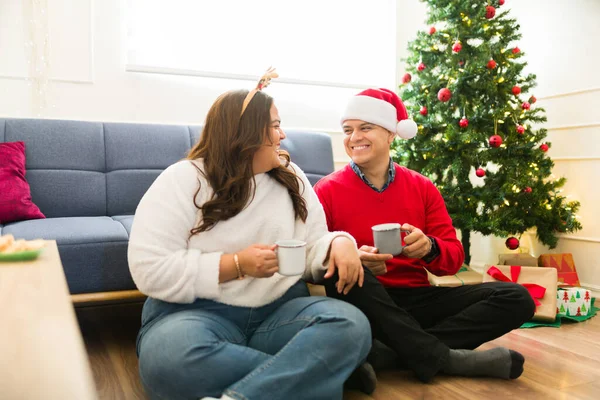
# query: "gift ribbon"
{"type": "Point", "coordinates": [536, 291]}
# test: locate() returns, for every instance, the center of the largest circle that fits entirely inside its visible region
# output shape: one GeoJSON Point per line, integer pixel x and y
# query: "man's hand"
{"type": "Point", "coordinates": [418, 244]}
{"type": "Point", "coordinates": [344, 256]}
{"type": "Point", "coordinates": [370, 258]}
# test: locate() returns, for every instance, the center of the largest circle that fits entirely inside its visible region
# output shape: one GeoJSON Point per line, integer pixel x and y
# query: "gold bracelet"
{"type": "Point", "coordinates": [237, 267]}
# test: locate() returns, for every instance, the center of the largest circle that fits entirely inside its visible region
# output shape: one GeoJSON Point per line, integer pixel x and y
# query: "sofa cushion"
{"type": "Point", "coordinates": [316, 163]}
{"type": "Point", "coordinates": [126, 221]}
{"type": "Point", "coordinates": [93, 250]}
{"type": "Point", "coordinates": [65, 165]}
{"type": "Point", "coordinates": [15, 201]}
{"type": "Point", "coordinates": [70, 231]}
{"type": "Point", "coordinates": [135, 155]}
{"type": "Point", "coordinates": [125, 189]}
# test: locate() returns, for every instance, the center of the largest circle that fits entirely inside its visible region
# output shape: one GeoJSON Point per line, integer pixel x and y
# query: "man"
{"type": "Point", "coordinates": [431, 329]}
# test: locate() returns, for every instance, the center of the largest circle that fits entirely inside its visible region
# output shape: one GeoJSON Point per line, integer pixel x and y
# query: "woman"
{"type": "Point", "coordinates": [220, 320]}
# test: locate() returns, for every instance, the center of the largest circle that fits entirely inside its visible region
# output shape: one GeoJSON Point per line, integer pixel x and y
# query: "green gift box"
{"type": "Point", "coordinates": [573, 301]}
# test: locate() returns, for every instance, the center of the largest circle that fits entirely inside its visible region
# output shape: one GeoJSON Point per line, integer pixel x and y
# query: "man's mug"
{"type": "Point", "coordinates": [389, 238]}
{"type": "Point", "coordinates": [291, 257]}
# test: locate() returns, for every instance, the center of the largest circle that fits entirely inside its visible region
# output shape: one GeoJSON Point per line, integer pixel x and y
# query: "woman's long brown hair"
{"type": "Point", "coordinates": [227, 146]}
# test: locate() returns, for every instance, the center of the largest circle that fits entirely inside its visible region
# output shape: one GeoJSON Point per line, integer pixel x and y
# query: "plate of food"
{"type": "Point", "coordinates": [20, 249]}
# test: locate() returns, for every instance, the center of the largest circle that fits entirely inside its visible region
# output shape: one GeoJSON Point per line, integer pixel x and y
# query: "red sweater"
{"type": "Point", "coordinates": [352, 206]}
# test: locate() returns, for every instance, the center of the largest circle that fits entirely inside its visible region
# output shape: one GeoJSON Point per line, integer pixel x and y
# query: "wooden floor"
{"type": "Point", "coordinates": [561, 363]}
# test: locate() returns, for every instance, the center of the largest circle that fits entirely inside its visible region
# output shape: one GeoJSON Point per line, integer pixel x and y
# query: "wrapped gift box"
{"type": "Point", "coordinates": [564, 264]}
{"type": "Point", "coordinates": [522, 259]}
{"type": "Point", "coordinates": [573, 301]}
{"type": "Point", "coordinates": [541, 283]}
{"type": "Point", "coordinates": [465, 276]}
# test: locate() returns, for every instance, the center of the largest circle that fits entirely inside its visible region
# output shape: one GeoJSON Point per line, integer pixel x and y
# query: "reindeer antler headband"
{"type": "Point", "coordinates": [264, 81]}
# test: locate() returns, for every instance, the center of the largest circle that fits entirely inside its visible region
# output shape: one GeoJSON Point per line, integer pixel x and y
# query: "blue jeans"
{"type": "Point", "coordinates": [298, 347]}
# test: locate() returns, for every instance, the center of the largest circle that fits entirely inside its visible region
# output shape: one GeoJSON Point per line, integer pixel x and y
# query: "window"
{"type": "Point", "coordinates": [340, 43]}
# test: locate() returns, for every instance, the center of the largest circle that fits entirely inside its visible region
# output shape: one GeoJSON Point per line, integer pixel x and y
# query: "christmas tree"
{"type": "Point", "coordinates": [479, 137]}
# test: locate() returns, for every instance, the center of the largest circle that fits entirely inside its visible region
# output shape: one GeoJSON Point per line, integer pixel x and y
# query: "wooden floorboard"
{"type": "Point", "coordinates": [560, 363]}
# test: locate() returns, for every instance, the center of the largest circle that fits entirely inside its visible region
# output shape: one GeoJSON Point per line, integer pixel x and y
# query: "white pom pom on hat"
{"type": "Point", "coordinates": [381, 107]}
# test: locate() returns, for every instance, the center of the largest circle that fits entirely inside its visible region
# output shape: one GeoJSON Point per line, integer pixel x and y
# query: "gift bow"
{"type": "Point", "coordinates": [536, 291]}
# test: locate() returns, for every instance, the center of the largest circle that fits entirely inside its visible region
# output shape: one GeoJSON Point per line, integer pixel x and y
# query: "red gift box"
{"type": "Point", "coordinates": [564, 264]}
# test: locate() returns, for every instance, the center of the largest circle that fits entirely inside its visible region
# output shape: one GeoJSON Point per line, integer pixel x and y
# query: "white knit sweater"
{"type": "Point", "coordinates": [168, 265]}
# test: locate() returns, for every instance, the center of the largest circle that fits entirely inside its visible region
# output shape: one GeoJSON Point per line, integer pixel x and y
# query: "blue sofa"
{"type": "Point", "coordinates": [88, 177]}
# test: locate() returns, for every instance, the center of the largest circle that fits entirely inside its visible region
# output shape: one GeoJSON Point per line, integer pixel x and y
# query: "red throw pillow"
{"type": "Point", "coordinates": [15, 195]}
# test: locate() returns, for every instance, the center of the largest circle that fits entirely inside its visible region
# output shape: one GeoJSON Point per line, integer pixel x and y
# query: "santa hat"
{"type": "Point", "coordinates": [381, 107]}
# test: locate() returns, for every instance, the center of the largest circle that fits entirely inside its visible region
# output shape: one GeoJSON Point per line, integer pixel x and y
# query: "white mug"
{"type": "Point", "coordinates": [291, 256]}
{"type": "Point", "coordinates": [389, 238]}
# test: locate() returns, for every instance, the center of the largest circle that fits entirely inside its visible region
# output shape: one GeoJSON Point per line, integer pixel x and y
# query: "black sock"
{"type": "Point", "coordinates": [499, 363]}
{"type": "Point", "coordinates": [363, 378]}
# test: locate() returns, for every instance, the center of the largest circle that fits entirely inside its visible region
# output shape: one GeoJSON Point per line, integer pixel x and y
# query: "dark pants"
{"type": "Point", "coordinates": [422, 324]}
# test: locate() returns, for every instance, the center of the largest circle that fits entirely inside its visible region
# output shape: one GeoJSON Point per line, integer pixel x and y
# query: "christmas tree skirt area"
{"type": "Point", "coordinates": [564, 318]}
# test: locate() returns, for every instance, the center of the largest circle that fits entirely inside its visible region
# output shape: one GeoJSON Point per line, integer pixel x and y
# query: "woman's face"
{"type": "Point", "coordinates": [267, 157]}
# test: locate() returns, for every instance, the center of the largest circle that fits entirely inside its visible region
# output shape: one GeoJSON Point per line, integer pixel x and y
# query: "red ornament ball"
{"type": "Point", "coordinates": [527, 190]}
{"type": "Point", "coordinates": [480, 172]}
{"type": "Point", "coordinates": [444, 95]}
{"type": "Point", "coordinates": [421, 67]}
{"type": "Point", "coordinates": [423, 110]}
{"type": "Point", "coordinates": [463, 123]}
{"type": "Point", "coordinates": [512, 243]}
{"type": "Point", "coordinates": [495, 141]}
{"type": "Point", "coordinates": [544, 147]}
{"type": "Point", "coordinates": [526, 106]}
{"type": "Point", "coordinates": [491, 64]}
{"type": "Point", "coordinates": [490, 12]}
{"type": "Point", "coordinates": [461, 63]}
{"type": "Point", "coordinates": [520, 129]}
{"type": "Point", "coordinates": [432, 30]}
{"type": "Point", "coordinates": [516, 90]}
{"type": "Point", "coordinates": [516, 50]}
{"type": "Point", "coordinates": [501, 2]}
{"type": "Point", "coordinates": [532, 99]}
{"type": "Point", "coordinates": [406, 78]}
{"type": "Point", "coordinates": [457, 47]}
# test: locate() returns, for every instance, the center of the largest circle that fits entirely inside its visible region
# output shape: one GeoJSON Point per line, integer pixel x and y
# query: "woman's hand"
{"type": "Point", "coordinates": [371, 259]}
{"type": "Point", "coordinates": [344, 256]}
{"type": "Point", "coordinates": [258, 260]}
